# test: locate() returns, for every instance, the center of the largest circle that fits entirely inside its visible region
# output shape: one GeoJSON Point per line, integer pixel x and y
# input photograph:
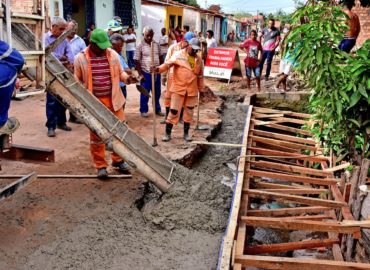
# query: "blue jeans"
{"type": "Point", "coordinates": [256, 70]}
{"type": "Point", "coordinates": [55, 112]}
{"type": "Point", "coordinates": [6, 75]}
{"type": "Point", "coordinates": [346, 45]}
{"type": "Point", "coordinates": [130, 59]}
{"type": "Point", "coordinates": [147, 84]}
{"type": "Point", "coordinates": [267, 55]}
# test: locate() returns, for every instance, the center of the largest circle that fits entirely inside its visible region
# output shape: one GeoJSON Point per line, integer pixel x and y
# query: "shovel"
{"type": "Point", "coordinates": [142, 90]}
{"type": "Point", "coordinates": [197, 126]}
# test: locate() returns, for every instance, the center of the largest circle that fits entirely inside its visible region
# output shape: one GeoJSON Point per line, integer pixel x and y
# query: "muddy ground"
{"type": "Point", "coordinates": [89, 224]}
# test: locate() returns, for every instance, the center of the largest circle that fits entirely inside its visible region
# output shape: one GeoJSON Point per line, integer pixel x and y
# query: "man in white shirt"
{"type": "Point", "coordinates": [211, 42]}
{"type": "Point", "coordinates": [163, 42]}
{"type": "Point", "coordinates": [130, 40]}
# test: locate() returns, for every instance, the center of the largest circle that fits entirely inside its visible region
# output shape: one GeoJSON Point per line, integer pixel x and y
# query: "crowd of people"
{"type": "Point", "coordinates": [176, 60]}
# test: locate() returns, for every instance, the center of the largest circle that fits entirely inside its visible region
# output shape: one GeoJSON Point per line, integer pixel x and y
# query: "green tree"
{"type": "Point", "coordinates": [340, 82]}
{"type": "Point", "coordinates": [193, 3]}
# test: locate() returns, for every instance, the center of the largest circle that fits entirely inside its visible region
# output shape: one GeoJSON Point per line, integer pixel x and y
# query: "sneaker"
{"type": "Point", "coordinates": [166, 138]}
{"type": "Point", "coordinates": [102, 174]}
{"type": "Point", "coordinates": [145, 115]}
{"type": "Point", "coordinates": [10, 126]}
{"type": "Point", "coordinates": [122, 167]}
{"type": "Point", "coordinates": [160, 113]}
{"type": "Point", "coordinates": [51, 132]}
{"type": "Point", "coordinates": [64, 127]}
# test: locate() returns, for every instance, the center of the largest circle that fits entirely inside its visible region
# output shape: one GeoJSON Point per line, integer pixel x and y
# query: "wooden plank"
{"type": "Point", "coordinates": [262, 151]}
{"type": "Point", "coordinates": [27, 16]}
{"type": "Point", "coordinates": [262, 116]}
{"type": "Point", "coordinates": [301, 225]}
{"type": "Point", "coordinates": [307, 191]}
{"type": "Point", "coordinates": [293, 178]}
{"type": "Point", "coordinates": [336, 249]}
{"type": "Point", "coordinates": [228, 240]}
{"type": "Point", "coordinates": [290, 168]}
{"type": "Point", "coordinates": [283, 137]}
{"type": "Point", "coordinates": [292, 198]}
{"type": "Point", "coordinates": [283, 143]}
{"type": "Point", "coordinates": [308, 217]}
{"type": "Point", "coordinates": [265, 185]}
{"type": "Point", "coordinates": [338, 168]}
{"type": "Point", "coordinates": [290, 120]}
{"type": "Point", "coordinates": [288, 211]}
{"type": "Point", "coordinates": [290, 129]}
{"type": "Point", "coordinates": [277, 263]}
{"type": "Point", "coordinates": [290, 113]}
{"type": "Point", "coordinates": [13, 187]}
{"type": "Point", "coordinates": [284, 247]}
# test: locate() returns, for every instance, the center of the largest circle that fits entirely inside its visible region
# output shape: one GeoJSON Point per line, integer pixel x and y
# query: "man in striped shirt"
{"type": "Point", "coordinates": [11, 63]}
{"type": "Point", "coordinates": [98, 68]}
{"type": "Point", "coordinates": [143, 63]}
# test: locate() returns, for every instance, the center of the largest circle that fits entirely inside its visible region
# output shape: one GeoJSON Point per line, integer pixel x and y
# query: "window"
{"type": "Point", "coordinates": [179, 21]}
{"type": "Point", "coordinates": [172, 21]}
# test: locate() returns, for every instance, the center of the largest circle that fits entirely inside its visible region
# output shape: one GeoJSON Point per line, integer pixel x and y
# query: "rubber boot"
{"type": "Point", "coordinates": [186, 132]}
{"type": "Point", "coordinates": [163, 121]}
{"type": "Point", "coordinates": [167, 136]}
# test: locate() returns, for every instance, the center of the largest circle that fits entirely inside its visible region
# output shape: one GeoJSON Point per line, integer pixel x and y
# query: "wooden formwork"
{"type": "Point", "coordinates": [280, 162]}
{"type": "Point", "coordinates": [34, 58]}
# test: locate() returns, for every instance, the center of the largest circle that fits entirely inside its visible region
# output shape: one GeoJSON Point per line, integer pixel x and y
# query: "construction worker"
{"type": "Point", "coordinates": [168, 76]}
{"type": "Point", "coordinates": [55, 111]}
{"type": "Point", "coordinates": [98, 68]}
{"type": "Point", "coordinates": [187, 83]}
{"type": "Point", "coordinates": [11, 63]}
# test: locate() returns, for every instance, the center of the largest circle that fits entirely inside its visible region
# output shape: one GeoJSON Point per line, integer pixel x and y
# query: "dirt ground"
{"type": "Point", "coordinates": [89, 224]}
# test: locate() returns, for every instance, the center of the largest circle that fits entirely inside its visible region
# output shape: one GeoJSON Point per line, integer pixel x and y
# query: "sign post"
{"type": "Point", "coordinates": [221, 63]}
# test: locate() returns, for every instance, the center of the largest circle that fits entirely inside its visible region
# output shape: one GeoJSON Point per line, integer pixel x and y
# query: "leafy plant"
{"type": "Point", "coordinates": [340, 82]}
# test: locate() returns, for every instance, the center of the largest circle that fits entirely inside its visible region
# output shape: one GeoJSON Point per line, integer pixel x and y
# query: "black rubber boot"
{"type": "Point", "coordinates": [163, 121]}
{"type": "Point", "coordinates": [167, 136]}
{"type": "Point", "coordinates": [186, 132]}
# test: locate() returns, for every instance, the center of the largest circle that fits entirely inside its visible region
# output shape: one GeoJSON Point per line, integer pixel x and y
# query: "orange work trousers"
{"type": "Point", "coordinates": [97, 146]}
{"type": "Point", "coordinates": [177, 103]}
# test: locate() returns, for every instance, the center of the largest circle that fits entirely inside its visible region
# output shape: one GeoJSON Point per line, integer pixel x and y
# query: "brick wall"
{"type": "Point", "coordinates": [22, 6]}
{"type": "Point", "coordinates": [364, 15]}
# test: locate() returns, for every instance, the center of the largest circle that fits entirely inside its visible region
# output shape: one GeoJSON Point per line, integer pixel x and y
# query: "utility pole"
{"type": "Point", "coordinates": [205, 4]}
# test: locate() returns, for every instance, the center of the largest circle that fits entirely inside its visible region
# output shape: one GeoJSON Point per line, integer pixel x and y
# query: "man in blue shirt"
{"type": "Point", "coordinates": [55, 112]}
{"type": "Point", "coordinates": [11, 63]}
{"type": "Point", "coordinates": [117, 41]}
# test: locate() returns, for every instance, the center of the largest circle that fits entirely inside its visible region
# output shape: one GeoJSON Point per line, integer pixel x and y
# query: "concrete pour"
{"type": "Point", "coordinates": [89, 224]}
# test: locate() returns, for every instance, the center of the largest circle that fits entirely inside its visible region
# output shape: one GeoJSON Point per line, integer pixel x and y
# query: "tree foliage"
{"type": "Point", "coordinates": [340, 82]}
{"type": "Point", "coordinates": [193, 3]}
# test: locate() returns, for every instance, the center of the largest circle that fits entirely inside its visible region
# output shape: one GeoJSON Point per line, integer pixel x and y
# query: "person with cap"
{"type": "Point", "coordinates": [11, 63]}
{"type": "Point", "coordinates": [98, 68]}
{"type": "Point", "coordinates": [167, 77]}
{"type": "Point", "coordinates": [113, 27]}
{"type": "Point", "coordinates": [187, 83]}
{"type": "Point", "coordinates": [143, 61]}
{"type": "Point", "coordinates": [55, 111]}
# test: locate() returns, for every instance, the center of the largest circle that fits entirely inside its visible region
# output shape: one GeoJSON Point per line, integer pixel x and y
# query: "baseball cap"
{"type": "Point", "coordinates": [100, 38]}
{"type": "Point", "coordinates": [189, 35]}
{"type": "Point", "coordinates": [114, 26]}
{"type": "Point", "coordinates": [194, 43]}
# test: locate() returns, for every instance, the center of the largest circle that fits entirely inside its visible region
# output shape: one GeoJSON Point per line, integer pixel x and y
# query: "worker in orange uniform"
{"type": "Point", "coordinates": [168, 76]}
{"type": "Point", "coordinates": [187, 83]}
{"type": "Point", "coordinates": [98, 68]}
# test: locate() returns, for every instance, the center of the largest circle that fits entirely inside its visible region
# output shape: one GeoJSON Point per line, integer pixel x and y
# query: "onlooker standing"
{"type": "Point", "coordinates": [11, 64]}
{"type": "Point", "coordinates": [353, 23]}
{"type": "Point", "coordinates": [286, 65]}
{"type": "Point", "coordinates": [117, 45]}
{"type": "Point", "coordinates": [98, 68]}
{"type": "Point", "coordinates": [143, 63]}
{"type": "Point", "coordinates": [89, 30]}
{"type": "Point", "coordinates": [253, 49]}
{"type": "Point", "coordinates": [271, 40]}
{"type": "Point", "coordinates": [77, 45]}
{"type": "Point", "coordinates": [113, 27]}
{"type": "Point", "coordinates": [211, 42]}
{"type": "Point", "coordinates": [185, 29]}
{"type": "Point", "coordinates": [130, 40]}
{"type": "Point", "coordinates": [163, 41]}
{"type": "Point", "coordinates": [55, 112]}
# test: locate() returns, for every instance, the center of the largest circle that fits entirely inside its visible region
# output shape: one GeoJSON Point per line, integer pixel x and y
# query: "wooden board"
{"type": "Point", "coordinates": [288, 211]}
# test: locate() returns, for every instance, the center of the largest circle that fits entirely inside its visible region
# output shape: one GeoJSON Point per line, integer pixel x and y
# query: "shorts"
{"type": "Point", "coordinates": [256, 71]}
{"type": "Point", "coordinates": [285, 67]}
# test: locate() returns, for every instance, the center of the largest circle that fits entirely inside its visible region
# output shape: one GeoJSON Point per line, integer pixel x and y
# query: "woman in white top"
{"type": "Point", "coordinates": [130, 40]}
